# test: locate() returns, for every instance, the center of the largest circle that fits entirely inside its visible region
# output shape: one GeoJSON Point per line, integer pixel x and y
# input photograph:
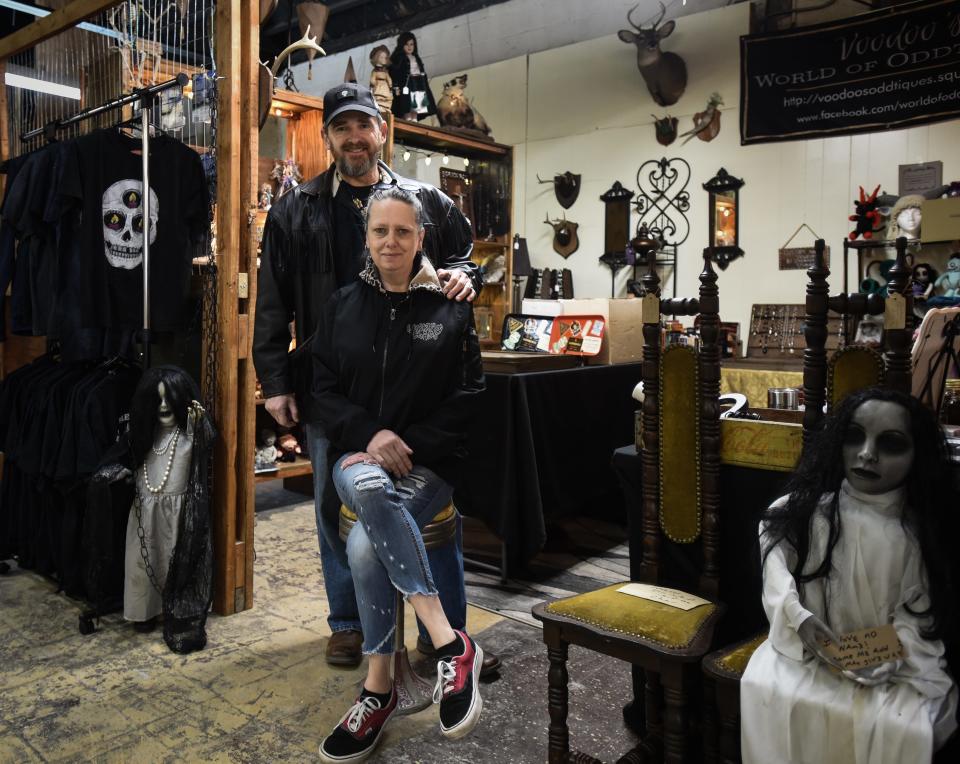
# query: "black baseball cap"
{"type": "Point", "coordinates": [348, 97]}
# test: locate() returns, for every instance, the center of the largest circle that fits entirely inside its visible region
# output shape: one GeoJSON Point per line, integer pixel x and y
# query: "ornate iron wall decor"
{"type": "Point", "coordinates": [663, 199]}
{"type": "Point", "coordinates": [724, 213]}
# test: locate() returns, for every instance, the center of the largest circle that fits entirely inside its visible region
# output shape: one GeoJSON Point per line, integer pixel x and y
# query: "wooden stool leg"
{"type": "Point", "coordinates": [710, 732]}
{"type": "Point", "coordinates": [675, 720]}
{"type": "Point", "coordinates": [414, 693]}
{"type": "Point", "coordinates": [557, 695]}
{"type": "Point", "coordinates": [653, 701]}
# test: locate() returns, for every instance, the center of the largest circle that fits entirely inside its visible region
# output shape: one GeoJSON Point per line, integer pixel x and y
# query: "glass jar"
{"type": "Point", "coordinates": [950, 405]}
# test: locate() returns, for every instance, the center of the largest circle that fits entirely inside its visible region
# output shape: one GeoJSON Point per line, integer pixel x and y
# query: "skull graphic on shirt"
{"type": "Point", "coordinates": [123, 223]}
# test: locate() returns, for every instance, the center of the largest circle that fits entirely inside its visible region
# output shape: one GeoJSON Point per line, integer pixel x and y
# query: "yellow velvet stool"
{"type": "Point", "coordinates": [722, 671]}
{"type": "Point", "coordinates": [414, 693]}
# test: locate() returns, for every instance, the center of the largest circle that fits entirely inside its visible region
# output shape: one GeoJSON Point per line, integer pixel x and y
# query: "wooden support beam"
{"type": "Point", "coordinates": [49, 26]}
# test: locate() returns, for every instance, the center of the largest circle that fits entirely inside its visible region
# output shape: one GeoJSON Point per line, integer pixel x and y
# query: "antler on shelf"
{"type": "Point", "coordinates": [304, 43]}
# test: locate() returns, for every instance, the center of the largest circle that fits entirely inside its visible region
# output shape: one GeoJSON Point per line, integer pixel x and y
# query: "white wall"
{"type": "Point", "coordinates": [584, 108]}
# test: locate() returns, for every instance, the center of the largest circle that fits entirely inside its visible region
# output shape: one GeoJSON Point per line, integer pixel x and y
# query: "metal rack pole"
{"type": "Point", "coordinates": [145, 151]}
{"type": "Point", "coordinates": [138, 95]}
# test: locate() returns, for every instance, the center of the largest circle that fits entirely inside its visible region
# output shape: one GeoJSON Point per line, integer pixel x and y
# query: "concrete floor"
{"type": "Point", "coordinates": [260, 691]}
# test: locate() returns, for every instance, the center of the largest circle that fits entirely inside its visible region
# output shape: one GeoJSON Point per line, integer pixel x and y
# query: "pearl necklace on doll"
{"type": "Point", "coordinates": [162, 451]}
{"type": "Point", "coordinates": [172, 445]}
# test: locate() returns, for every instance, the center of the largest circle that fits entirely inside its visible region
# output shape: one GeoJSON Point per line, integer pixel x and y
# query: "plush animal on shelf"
{"type": "Point", "coordinates": [867, 217]}
{"type": "Point", "coordinates": [454, 110]}
{"type": "Point", "coordinates": [289, 447]}
{"type": "Point", "coordinates": [861, 545]}
{"type": "Point", "coordinates": [265, 456]}
{"type": "Point", "coordinates": [949, 282]}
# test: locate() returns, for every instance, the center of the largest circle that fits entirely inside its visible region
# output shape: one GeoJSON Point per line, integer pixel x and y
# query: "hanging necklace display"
{"type": "Point", "coordinates": [166, 472]}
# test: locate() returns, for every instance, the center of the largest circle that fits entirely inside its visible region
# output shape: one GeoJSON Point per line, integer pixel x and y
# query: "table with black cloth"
{"type": "Point", "coordinates": [540, 448]}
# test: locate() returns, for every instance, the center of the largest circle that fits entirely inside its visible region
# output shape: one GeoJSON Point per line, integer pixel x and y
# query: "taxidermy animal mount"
{"type": "Point", "coordinates": [268, 76]}
{"type": "Point", "coordinates": [867, 217]}
{"type": "Point", "coordinates": [664, 73]}
{"type": "Point", "coordinates": [565, 239]}
{"type": "Point", "coordinates": [566, 187]}
{"type": "Point", "coordinates": [454, 110]}
{"type": "Point", "coordinates": [666, 129]}
{"type": "Point", "coordinates": [706, 123]}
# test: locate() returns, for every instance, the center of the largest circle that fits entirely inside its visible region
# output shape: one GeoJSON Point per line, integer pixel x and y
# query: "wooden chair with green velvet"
{"type": "Point", "coordinates": [680, 502]}
{"type": "Point", "coordinates": [825, 384]}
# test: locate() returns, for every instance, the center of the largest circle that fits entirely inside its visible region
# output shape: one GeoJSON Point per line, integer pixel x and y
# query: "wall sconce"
{"type": "Point", "coordinates": [723, 207]}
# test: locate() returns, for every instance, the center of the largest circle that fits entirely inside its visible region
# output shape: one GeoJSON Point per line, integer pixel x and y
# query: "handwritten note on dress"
{"type": "Point", "coordinates": [866, 648]}
{"type": "Point", "coordinates": [672, 597]}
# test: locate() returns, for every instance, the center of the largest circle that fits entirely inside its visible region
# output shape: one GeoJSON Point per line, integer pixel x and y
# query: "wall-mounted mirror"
{"type": "Point", "coordinates": [724, 190]}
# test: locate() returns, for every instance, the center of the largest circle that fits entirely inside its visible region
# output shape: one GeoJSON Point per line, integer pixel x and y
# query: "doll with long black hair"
{"type": "Point", "coordinates": [412, 97]}
{"type": "Point", "coordinates": [861, 540]}
{"type": "Point", "coordinates": [169, 559]}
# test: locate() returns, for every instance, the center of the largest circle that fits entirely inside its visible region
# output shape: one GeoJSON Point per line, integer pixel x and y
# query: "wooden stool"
{"type": "Point", "coordinates": [414, 693]}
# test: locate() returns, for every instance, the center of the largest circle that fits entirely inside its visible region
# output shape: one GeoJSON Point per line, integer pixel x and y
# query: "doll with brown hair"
{"type": "Point", "coordinates": [380, 81]}
{"type": "Point", "coordinates": [412, 97]}
{"type": "Point", "coordinates": [862, 540]}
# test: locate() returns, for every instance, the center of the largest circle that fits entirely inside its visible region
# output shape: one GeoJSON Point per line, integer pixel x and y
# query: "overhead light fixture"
{"type": "Point", "coordinates": [41, 86]}
{"type": "Point", "coordinates": [428, 159]}
{"type": "Point", "coordinates": [466, 162]}
{"type": "Point", "coordinates": [406, 155]}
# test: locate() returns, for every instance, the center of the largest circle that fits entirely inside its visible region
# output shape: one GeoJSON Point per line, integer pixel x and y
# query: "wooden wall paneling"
{"type": "Point", "coordinates": [305, 143]}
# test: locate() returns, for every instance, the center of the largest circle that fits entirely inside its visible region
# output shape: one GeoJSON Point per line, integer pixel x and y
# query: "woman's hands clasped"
{"type": "Point", "coordinates": [387, 449]}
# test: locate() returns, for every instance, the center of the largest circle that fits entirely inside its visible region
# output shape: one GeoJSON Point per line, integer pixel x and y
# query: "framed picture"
{"type": "Point", "coordinates": [458, 186]}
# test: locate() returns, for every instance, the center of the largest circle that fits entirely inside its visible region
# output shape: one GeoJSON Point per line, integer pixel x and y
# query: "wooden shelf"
{"type": "Point", "coordinates": [433, 138]}
{"type": "Point", "coordinates": [285, 470]}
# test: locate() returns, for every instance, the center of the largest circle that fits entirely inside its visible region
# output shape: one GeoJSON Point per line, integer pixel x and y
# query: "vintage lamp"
{"type": "Point", "coordinates": [723, 207]}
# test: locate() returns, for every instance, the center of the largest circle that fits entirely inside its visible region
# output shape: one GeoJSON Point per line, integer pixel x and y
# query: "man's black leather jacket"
{"type": "Point", "coordinates": [296, 277]}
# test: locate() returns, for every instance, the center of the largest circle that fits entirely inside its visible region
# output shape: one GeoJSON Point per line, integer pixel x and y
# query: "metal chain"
{"type": "Point", "coordinates": [141, 533]}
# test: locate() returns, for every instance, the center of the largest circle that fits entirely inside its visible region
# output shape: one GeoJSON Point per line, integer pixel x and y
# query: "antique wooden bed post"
{"type": "Point", "coordinates": [815, 354]}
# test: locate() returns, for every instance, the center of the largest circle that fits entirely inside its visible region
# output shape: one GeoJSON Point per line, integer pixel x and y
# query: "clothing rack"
{"type": "Point", "coordinates": [144, 96]}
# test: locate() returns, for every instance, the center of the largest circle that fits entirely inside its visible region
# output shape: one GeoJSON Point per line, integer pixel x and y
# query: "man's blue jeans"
{"type": "Point", "coordinates": [446, 562]}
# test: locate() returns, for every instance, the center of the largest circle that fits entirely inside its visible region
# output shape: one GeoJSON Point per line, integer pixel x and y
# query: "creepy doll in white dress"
{"type": "Point", "coordinates": [863, 539]}
{"type": "Point", "coordinates": [168, 560]}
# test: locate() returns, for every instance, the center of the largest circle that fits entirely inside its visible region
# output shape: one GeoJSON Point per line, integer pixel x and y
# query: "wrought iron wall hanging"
{"type": "Point", "coordinates": [663, 200]}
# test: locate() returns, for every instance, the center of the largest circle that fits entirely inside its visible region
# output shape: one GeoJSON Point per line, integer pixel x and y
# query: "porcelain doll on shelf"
{"type": "Point", "coordinates": [862, 540]}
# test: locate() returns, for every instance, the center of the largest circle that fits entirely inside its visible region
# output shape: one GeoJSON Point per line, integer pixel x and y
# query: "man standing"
{"type": "Point", "coordinates": [312, 245]}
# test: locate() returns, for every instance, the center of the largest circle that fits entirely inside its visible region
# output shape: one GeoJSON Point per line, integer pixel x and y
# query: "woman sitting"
{"type": "Point", "coordinates": [396, 365]}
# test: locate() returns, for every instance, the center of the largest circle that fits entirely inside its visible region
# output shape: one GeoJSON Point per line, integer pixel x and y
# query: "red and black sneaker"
{"type": "Point", "coordinates": [456, 690]}
{"type": "Point", "coordinates": [358, 731]}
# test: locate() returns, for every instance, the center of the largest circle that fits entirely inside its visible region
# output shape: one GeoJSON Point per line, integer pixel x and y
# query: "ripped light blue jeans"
{"type": "Point", "coordinates": [385, 547]}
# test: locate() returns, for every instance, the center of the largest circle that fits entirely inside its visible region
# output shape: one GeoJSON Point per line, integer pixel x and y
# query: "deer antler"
{"type": "Point", "coordinates": [663, 12]}
{"type": "Point", "coordinates": [544, 181]}
{"type": "Point", "coordinates": [306, 42]}
{"type": "Point", "coordinates": [630, 20]}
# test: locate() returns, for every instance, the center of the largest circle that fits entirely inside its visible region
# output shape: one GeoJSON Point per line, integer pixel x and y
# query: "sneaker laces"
{"type": "Point", "coordinates": [446, 674]}
{"type": "Point", "coordinates": [360, 711]}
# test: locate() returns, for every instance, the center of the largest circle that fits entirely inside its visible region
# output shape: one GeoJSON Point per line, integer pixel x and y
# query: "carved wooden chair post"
{"type": "Point", "coordinates": [681, 455]}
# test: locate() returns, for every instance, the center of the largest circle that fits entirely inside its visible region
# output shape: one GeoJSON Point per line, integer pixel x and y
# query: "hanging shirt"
{"type": "Point", "coordinates": [103, 176]}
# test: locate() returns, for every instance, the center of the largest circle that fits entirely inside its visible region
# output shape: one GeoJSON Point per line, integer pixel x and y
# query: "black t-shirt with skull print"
{"type": "Point", "coordinates": [103, 176]}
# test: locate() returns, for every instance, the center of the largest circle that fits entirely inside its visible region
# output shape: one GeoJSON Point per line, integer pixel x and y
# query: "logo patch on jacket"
{"type": "Point", "coordinates": [427, 332]}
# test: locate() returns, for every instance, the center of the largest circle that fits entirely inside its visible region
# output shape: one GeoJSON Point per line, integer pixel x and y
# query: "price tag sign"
{"type": "Point", "coordinates": [650, 310]}
{"type": "Point", "coordinates": [895, 312]}
{"type": "Point", "coordinates": [672, 597]}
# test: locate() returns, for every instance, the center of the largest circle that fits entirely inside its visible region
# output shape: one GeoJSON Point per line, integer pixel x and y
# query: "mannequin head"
{"type": "Point", "coordinates": [161, 400]}
{"type": "Point", "coordinates": [878, 447]}
{"type": "Point", "coordinates": [905, 217]}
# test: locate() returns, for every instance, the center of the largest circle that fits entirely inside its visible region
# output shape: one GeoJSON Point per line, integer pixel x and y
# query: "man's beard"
{"type": "Point", "coordinates": [356, 168]}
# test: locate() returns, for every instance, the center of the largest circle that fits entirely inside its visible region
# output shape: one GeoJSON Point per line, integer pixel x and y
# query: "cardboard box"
{"type": "Point", "coordinates": [623, 338]}
{"type": "Point", "coordinates": [531, 307]}
{"type": "Point", "coordinates": [940, 220]}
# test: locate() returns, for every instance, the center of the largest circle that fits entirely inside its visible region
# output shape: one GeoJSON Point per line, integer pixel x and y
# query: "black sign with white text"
{"type": "Point", "coordinates": [886, 69]}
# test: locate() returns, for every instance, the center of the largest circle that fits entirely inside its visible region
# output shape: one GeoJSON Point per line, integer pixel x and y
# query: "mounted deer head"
{"type": "Point", "coordinates": [565, 238]}
{"type": "Point", "coordinates": [664, 73]}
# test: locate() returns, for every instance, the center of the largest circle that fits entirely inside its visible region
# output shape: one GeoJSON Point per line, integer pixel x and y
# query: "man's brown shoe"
{"type": "Point", "coordinates": [345, 648]}
{"type": "Point", "coordinates": [491, 663]}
